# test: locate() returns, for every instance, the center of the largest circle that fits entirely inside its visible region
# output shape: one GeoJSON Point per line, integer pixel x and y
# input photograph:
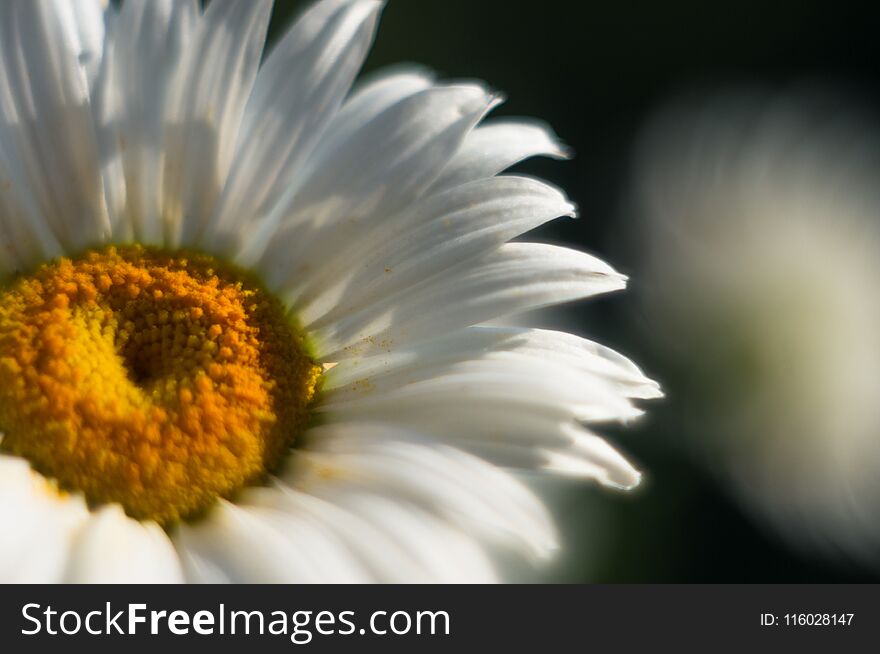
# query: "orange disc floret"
{"type": "Point", "coordinates": [158, 380]}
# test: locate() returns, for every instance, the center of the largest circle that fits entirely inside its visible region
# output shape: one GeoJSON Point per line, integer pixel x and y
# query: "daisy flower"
{"type": "Point", "coordinates": [242, 313]}
{"type": "Point", "coordinates": [760, 215]}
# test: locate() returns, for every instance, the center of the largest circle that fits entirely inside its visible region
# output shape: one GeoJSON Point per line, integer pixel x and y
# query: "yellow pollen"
{"type": "Point", "coordinates": [158, 380]}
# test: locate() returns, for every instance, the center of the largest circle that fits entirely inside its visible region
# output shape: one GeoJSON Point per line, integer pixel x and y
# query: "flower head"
{"type": "Point", "coordinates": [242, 306]}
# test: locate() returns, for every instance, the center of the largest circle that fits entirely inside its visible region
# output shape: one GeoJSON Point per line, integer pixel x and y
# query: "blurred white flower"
{"type": "Point", "coordinates": [761, 220]}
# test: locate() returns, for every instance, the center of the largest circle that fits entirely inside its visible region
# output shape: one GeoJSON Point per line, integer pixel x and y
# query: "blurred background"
{"type": "Point", "coordinates": [725, 160]}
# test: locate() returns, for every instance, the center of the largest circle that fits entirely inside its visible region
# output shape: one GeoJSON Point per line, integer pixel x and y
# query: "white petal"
{"type": "Point", "coordinates": [510, 395]}
{"type": "Point", "coordinates": [439, 233]}
{"type": "Point", "coordinates": [451, 348]}
{"type": "Point", "coordinates": [507, 412]}
{"type": "Point", "coordinates": [381, 554]}
{"type": "Point", "coordinates": [517, 277]}
{"type": "Point", "coordinates": [47, 133]}
{"type": "Point", "coordinates": [494, 147]}
{"type": "Point", "coordinates": [362, 376]}
{"type": "Point", "coordinates": [592, 456]}
{"type": "Point", "coordinates": [144, 60]}
{"type": "Point", "coordinates": [299, 88]}
{"type": "Point", "coordinates": [254, 544]}
{"type": "Point", "coordinates": [39, 525]}
{"type": "Point", "coordinates": [476, 497]}
{"type": "Point", "coordinates": [581, 354]}
{"type": "Point", "coordinates": [201, 569]}
{"type": "Point", "coordinates": [397, 542]}
{"type": "Point", "coordinates": [84, 20]}
{"type": "Point", "coordinates": [446, 555]}
{"type": "Point", "coordinates": [205, 110]}
{"type": "Point", "coordinates": [381, 169]}
{"type": "Point", "coordinates": [113, 548]}
{"type": "Point", "coordinates": [375, 94]}
{"type": "Point", "coordinates": [174, 92]}
{"type": "Point", "coordinates": [372, 94]}
{"type": "Point", "coordinates": [26, 237]}
{"type": "Point", "coordinates": [405, 146]}
{"type": "Point", "coordinates": [535, 385]}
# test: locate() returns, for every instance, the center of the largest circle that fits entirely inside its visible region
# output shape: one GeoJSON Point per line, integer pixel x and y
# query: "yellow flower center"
{"type": "Point", "coordinates": [157, 380]}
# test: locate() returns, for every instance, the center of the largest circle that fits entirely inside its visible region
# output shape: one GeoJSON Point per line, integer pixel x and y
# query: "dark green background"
{"type": "Point", "coordinates": [595, 71]}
